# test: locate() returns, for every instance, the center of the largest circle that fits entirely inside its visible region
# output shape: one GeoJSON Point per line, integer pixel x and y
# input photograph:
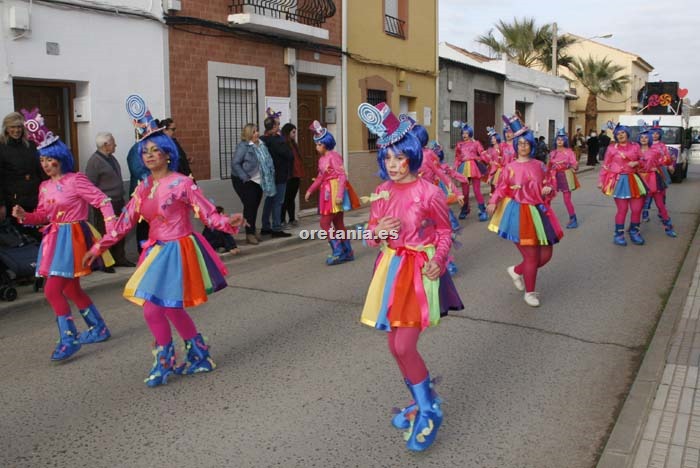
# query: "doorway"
{"type": "Point", "coordinates": [55, 103]}
{"type": "Point", "coordinates": [311, 98]}
{"type": "Point", "coordinates": [484, 115]}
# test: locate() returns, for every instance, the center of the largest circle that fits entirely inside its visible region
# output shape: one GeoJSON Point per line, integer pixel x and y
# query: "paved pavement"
{"type": "Point", "coordinates": [659, 425]}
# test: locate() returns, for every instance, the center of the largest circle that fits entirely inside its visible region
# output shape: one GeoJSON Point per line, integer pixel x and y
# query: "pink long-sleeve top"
{"type": "Point", "coordinates": [651, 159]}
{"type": "Point", "coordinates": [661, 147]}
{"type": "Point", "coordinates": [523, 182]}
{"type": "Point", "coordinates": [67, 200]}
{"type": "Point", "coordinates": [431, 170]}
{"type": "Point", "coordinates": [469, 150]}
{"type": "Point", "coordinates": [330, 166]}
{"type": "Point", "coordinates": [617, 159]}
{"type": "Point", "coordinates": [166, 205]}
{"type": "Point", "coordinates": [562, 159]}
{"type": "Point", "coordinates": [497, 159]}
{"type": "Point", "coordinates": [508, 151]}
{"type": "Point", "coordinates": [422, 209]}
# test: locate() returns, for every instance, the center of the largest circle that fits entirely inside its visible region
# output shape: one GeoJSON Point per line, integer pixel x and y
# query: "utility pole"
{"type": "Point", "coordinates": [554, 49]}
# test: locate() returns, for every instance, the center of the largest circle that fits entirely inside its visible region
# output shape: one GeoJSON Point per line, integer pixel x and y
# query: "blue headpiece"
{"type": "Point", "coordinates": [437, 149]}
{"type": "Point", "coordinates": [48, 144]}
{"type": "Point", "coordinates": [513, 122]}
{"type": "Point", "coordinates": [322, 135]}
{"type": "Point", "coordinates": [561, 133]}
{"type": "Point", "coordinates": [493, 133]}
{"type": "Point", "coordinates": [144, 122]}
{"type": "Point", "coordinates": [382, 122]}
{"type": "Point", "coordinates": [464, 126]}
{"type": "Point", "coordinates": [656, 128]}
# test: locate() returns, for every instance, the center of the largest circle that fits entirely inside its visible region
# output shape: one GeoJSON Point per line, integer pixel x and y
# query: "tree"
{"type": "Point", "coordinates": [600, 78]}
{"type": "Point", "coordinates": [525, 43]}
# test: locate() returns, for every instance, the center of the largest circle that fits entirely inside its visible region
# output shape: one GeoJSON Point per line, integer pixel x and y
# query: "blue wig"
{"type": "Point", "coordinates": [530, 138]}
{"type": "Point", "coordinates": [469, 130]}
{"type": "Point", "coordinates": [498, 138]}
{"type": "Point", "coordinates": [563, 137]}
{"type": "Point", "coordinates": [326, 140]}
{"type": "Point", "coordinates": [437, 149]}
{"type": "Point", "coordinates": [621, 128]}
{"type": "Point", "coordinates": [60, 152]}
{"type": "Point", "coordinates": [646, 133]}
{"type": "Point", "coordinates": [165, 144]}
{"type": "Point", "coordinates": [408, 146]}
{"type": "Point", "coordinates": [421, 134]}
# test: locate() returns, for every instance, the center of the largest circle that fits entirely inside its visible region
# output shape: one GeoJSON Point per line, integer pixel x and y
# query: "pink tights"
{"type": "Point", "coordinates": [58, 288]}
{"type": "Point", "coordinates": [633, 204]}
{"type": "Point", "coordinates": [569, 205]}
{"type": "Point", "coordinates": [476, 187]}
{"type": "Point", "coordinates": [403, 344]}
{"type": "Point", "coordinates": [660, 205]}
{"type": "Point", "coordinates": [157, 320]}
{"type": "Point", "coordinates": [534, 258]}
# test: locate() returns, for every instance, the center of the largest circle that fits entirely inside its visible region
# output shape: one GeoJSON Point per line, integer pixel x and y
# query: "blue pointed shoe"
{"type": "Point", "coordinates": [198, 358]}
{"type": "Point", "coordinates": [573, 222]}
{"type": "Point", "coordinates": [427, 420]}
{"type": "Point", "coordinates": [163, 365]}
{"type": "Point", "coordinates": [68, 343]}
{"type": "Point", "coordinates": [97, 329]}
{"type": "Point", "coordinates": [635, 235]}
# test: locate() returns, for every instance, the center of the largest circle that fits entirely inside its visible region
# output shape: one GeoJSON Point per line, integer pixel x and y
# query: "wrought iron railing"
{"type": "Point", "coordinates": [394, 26]}
{"type": "Point", "coordinates": [310, 12]}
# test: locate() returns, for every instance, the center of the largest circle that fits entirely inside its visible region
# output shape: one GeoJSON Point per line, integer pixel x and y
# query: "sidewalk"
{"type": "Point", "coordinates": [659, 425]}
{"type": "Point", "coordinates": [28, 298]}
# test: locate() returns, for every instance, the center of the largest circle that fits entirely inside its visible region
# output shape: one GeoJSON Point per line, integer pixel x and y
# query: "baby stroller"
{"type": "Point", "coordinates": [18, 257]}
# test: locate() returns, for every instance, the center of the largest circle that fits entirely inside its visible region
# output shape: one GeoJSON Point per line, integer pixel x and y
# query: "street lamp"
{"type": "Point", "coordinates": [554, 45]}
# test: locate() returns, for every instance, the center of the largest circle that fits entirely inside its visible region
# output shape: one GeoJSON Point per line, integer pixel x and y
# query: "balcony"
{"type": "Point", "coordinates": [295, 19]}
{"type": "Point", "coordinates": [394, 27]}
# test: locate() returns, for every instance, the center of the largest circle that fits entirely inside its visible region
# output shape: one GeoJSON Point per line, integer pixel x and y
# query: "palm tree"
{"type": "Point", "coordinates": [600, 78]}
{"type": "Point", "coordinates": [527, 44]}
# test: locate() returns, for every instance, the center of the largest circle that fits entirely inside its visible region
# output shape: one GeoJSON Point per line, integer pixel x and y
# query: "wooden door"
{"type": "Point", "coordinates": [54, 101]}
{"type": "Point", "coordinates": [484, 115]}
{"type": "Point", "coordinates": [310, 102]}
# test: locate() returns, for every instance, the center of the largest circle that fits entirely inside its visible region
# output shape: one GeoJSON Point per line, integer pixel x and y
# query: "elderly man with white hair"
{"type": "Point", "coordinates": [104, 171]}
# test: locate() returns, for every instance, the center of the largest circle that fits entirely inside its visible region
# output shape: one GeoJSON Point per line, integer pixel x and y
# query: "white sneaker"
{"type": "Point", "coordinates": [517, 279]}
{"type": "Point", "coordinates": [531, 299]}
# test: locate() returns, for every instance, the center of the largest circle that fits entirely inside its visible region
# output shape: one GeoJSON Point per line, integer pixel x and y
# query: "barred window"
{"type": "Point", "coordinates": [374, 97]}
{"type": "Point", "coordinates": [238, 106]}
{"type": "Point", "coordinates": [458, 111]}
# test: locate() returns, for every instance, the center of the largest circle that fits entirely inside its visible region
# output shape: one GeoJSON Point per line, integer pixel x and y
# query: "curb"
{"type": "Point", "coordinates": [621, 447]}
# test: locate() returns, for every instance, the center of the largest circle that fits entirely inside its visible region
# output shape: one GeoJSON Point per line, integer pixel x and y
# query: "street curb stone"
{"type": "Point", "coordinates": [624, 440]}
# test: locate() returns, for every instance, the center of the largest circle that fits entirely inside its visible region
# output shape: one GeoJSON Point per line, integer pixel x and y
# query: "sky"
{"type": "Point", "coordinates": [663, 33]}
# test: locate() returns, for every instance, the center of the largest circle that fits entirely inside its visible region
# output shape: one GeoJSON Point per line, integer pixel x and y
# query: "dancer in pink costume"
{"type": "Point", "coordinates": [563, 166]}
{"type": "Point", "coordinates": [652, 163]}
{"type": "Point", "coordinates": [472, 163]}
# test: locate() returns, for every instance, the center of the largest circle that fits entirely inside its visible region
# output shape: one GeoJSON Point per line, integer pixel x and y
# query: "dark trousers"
{"type": "Point", "coordinates": [117, 250]}
{"type": "Point", "coordinates": [141, 234]}
{"type": "Point", "coordinates": [250, 194]}
{"type": "Point", "coordinates": [290, 196]}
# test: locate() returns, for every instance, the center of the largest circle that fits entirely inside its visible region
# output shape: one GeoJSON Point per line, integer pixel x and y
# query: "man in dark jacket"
{"type": "Point", "coordinates": [283, 159]}
{"type": "Point", "coordinates": [20, 171]}
{"type": "Point", "coordinates": [604, 141]}
{"type": "Point", "coordinates": [593, 144]}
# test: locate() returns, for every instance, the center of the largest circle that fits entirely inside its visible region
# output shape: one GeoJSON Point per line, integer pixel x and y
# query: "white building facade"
{"type": "Point", "coordinates": [78, 61]}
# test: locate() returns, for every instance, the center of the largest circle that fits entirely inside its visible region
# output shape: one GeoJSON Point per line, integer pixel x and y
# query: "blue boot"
{"type": "Point", "coordinates": [635, 235]}
{"type": "Point", "coordinates": [198, 359]}
{"type": "Point", "coordinates": [454, 223]}
{"type": "Point", "coordinates": [97, 329]}
{"type": "Point", "coordinates": [163, 366]}
{"type": "Point", "coordinates": [619, 236]}
{"type": "Point", "coordinates": [428, 419]}
{"type": "Point", "coordinates": [452, 268]}
{"type": "Point", "coordinates": [483, 216]}
{"type": "Point", "coordinates": [645, 211]}
{"type": "Point", "coordinates": [668, 227]}
{"type": "Point", "coordinates": [464, 211]}
{"type": "Point", "coordinates": [402, 417]}
{"type": "Point", "coordinates": [336, 255]}
{"type": "Point", "coordinates": [348, 254]}
{"type": "Point", "coordinates": [68, 343]}
{"type": "Point", "coordinates": [573, 222]}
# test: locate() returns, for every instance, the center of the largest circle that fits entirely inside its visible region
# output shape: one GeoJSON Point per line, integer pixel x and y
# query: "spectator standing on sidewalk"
{"type": "Point", "coordinates": [63, 205]}
{"type": "Point", "coordinates": [410, 288]}
{"type": "Point", "coordinates": [603, 142]}
{"type": "Point", "coordinates": [289, 132]}
{"type": "Point", "coordinates": [592, 144]}
{"type": "Point", "coordinates": [20, 171]}
{"type": "Point", "coordinates": [579, 144]}
{"type": "Point", "coordinates": [283, 160]}
{"type": "Point", "coordinates": [104, 172]}
{"type": "Point", "coordinates": [252, 175]}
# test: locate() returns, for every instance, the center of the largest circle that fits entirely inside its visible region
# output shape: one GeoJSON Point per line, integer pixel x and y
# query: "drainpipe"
{"type": "Point", "coordinates": [344, 85]}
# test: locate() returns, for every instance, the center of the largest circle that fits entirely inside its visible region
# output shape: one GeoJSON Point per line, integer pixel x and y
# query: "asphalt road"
{"type": "Point", "coordinates": [301, 383]}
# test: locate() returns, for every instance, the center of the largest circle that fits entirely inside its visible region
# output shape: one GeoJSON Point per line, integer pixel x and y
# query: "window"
{"type": "Point", "coordinates": [374, 97]}
{"type": "Point", "coordinates": [393, 24]}
{"type": "Point", "coordinates": [238, 106]}
{"type": "Point", "coordinates": [458, 111]}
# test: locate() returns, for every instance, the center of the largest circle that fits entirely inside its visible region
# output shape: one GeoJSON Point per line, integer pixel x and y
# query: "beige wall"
{"type": "Point", "coordinates": [609, 108]}
{"type": "Point", "coordinates": [402, 67]}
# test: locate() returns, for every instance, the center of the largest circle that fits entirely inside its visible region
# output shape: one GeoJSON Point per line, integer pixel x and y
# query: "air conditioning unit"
{"type": "Point", "coordinates": [172, 5]}
{"type": "Point", "coordinates": [19, 18]}
{"type": "Point", "coordinates": [290, 56]}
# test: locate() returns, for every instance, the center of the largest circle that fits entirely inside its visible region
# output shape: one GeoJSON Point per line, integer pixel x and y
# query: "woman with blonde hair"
{"type": "Point", "coordinates": [252, 174]}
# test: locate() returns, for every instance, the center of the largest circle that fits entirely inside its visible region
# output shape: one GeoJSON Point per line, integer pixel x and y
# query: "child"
{"type": "Point", "coordinates": [563, 166]}
{"type": "Point", "coordinates": [472, 163]}
{"type": "Point", "coordinates": [221, 240]}
{"type": "Point", "coordinates": [336, 195]}
{"type": "Point", "coordinates": [410, 289]}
